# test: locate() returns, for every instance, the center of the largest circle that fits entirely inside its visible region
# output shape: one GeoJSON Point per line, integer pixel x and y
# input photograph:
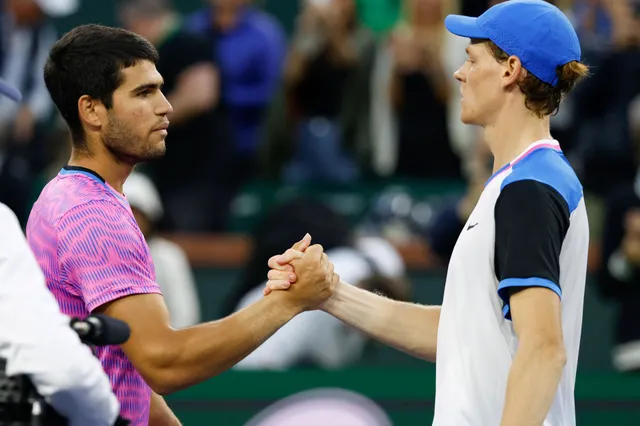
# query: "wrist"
{"type": "Point", "coordinates": [284, 304]}
{"type": "Point", "coordinates": [338, 295]}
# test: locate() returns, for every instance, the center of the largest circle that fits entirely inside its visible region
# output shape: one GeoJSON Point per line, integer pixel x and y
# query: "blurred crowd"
{"type": "Point", "coordinates": [339, 101]}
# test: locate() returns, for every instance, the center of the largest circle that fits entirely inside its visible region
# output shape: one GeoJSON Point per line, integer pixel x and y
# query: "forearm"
{"type": "Point", "coordinates": [206, 350]}
{"type": "Point", "coordinates": [408, 327]}
{"type": "Point", "coordinates": [533, 381]}
{"type": "Point", "coordinates": [295, 68]}
{"type": "Point", "coordinates": [618, 9]}
{"type": "Point", "coordinates": [160, 414]}
{"type": "Point", "coordinates": [186, 107]}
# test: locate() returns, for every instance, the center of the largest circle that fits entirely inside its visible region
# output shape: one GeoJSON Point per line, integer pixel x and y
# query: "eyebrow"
{"type": "Point", "coordinates": [148, 86]}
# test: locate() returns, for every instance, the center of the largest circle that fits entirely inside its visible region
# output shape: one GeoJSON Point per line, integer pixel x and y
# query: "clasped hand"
{"type": "Point", "coordinates": [309, 268]}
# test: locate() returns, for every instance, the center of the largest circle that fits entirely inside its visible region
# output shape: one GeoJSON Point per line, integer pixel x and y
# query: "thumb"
{"type": "Point", "coordinates": [303, 244]}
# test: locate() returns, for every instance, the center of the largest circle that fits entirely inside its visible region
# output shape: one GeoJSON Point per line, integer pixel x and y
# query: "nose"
{"type": "Point", "coordinates": [165, 107]}
{"type": "Point", "coordinates": [459, 75]}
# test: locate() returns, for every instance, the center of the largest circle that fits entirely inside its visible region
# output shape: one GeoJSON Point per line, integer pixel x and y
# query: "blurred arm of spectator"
{"type": "Point", "coordinates": [318, 27]}
{"type": "Point", "coordinates": [621, 243]}
{"type": "Point", "coordinates": [197, 89]}
{"type": "Point", "coordinates": [415, 53]}
{"type": "Point", "coordinates": [625, 26]}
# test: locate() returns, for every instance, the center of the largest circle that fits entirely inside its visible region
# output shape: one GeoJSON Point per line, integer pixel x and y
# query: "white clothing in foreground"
{"type": "Point", "coordinates": [36, 340]}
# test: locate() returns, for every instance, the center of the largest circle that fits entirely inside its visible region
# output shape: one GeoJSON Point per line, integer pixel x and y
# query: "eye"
{"type": "Point", "coordinates": [144, 93]}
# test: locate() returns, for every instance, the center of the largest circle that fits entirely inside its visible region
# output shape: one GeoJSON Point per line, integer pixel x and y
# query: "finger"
{"type": "Point", "coordinates": [278, 285]}
{"type": "Point", "coordinates": [303, 244]}
{"type": "Point", "coordinates": [288, 256]}
{"type": "Point", "coordinates": [315, 252]}
{"type": "Point", "coordinates": [273, 264]}
{"type": "Point", "coordinates": [275, 275]}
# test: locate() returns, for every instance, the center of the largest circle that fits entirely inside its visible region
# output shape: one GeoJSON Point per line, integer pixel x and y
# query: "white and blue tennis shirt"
{"type": "Point", "coordinates": [529, 229]}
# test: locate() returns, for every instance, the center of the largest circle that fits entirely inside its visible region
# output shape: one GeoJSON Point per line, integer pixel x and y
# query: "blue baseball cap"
{"type": "Point", "coordinates": [9, 91]}
{"type": "Point", "coordinates": [535, 31]}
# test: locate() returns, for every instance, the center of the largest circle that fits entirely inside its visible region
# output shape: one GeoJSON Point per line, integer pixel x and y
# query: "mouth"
{"type": "Point", "coordinates": [162, 128]}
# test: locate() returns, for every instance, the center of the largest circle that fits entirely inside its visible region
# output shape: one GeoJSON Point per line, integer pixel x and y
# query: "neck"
{"type": "Point", "coordinates": [113, 171]}
{"type": "Point", "coordinates": [512, 133]}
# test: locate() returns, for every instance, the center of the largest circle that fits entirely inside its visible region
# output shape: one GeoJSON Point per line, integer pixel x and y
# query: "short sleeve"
{"type": "Point", "coordinates": [531, 219]}
{"type": "Point", "coordinates": [103, 255]}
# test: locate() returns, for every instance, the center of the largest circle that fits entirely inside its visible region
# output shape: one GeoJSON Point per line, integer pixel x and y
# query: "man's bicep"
{"type": "Point", "coordinates": [148, 318]}
{"type": "Point", "coordinates": [537, 316]}
{"type": "Point", "coordinates": [103, 255]}
{"type": "Point", "coordinates": [532, 220]}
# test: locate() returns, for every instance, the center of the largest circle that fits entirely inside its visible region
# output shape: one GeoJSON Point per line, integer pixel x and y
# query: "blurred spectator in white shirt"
{"type": "Point", "coordinates": [173, 272]}
{"type": "Point", "coordinates": [318, 339]}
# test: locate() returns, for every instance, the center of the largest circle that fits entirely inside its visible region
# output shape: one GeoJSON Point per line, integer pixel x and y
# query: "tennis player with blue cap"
{"type": "Point", "coordinates": [506, 337]}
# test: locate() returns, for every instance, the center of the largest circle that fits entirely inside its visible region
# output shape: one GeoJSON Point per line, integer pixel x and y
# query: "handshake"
{"type": "Point", "coordinates": [305, 272]}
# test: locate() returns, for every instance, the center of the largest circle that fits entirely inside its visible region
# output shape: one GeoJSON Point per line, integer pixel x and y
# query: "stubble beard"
{"type": "Point", "coordinates": [128, 148]}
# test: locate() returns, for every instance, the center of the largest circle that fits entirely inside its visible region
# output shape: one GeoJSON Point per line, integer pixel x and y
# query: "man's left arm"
{"type": "Point", "coordinates": [540, 359]}
{"type": "Point", "coordinates": [532, 219]}
{"type": "Point", "coordinates": [160, 414]}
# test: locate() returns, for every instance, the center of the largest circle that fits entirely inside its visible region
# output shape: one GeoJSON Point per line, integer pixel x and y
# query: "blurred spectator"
{"type": "Point", "coordinates": [173, 272]}
{"type": "Point", "coordinates": [420, 84]}
{"type": "Point", "coordinates": [28, 33]}
{"type": "Point", "coordinates": [250, 47]}
{"type": "Point", "coordinates": [320, 121]}
{"type": "Point", "coordinates": [619, 276]}
{"type": "Point", "coordinates": [191, 176]}
{"type": "Point", "coordinates": [609, 32]}
{"type": "Point", "coordinates": [318, 339]}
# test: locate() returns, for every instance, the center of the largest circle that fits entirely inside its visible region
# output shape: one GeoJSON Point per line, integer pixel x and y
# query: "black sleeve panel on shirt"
{"type": "Point", "coordinates": [531, 219]}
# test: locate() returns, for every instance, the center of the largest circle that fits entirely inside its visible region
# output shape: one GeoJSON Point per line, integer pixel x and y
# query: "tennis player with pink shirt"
{"type": "Point", "coordinates": [95, 259]}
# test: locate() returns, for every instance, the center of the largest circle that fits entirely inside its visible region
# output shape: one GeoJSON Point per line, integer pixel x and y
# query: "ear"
{"type": "Point", "coordinates": [512, 71]}
{"type": "Point", "coordinates": [91, 111]}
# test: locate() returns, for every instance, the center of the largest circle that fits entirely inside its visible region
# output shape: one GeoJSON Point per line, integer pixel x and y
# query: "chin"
{"type": "Point", "coordinates": [467, 119]}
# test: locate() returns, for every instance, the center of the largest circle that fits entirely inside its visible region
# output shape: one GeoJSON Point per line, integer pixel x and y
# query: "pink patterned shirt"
{"type": "Point", "coordinates": [91, 250]}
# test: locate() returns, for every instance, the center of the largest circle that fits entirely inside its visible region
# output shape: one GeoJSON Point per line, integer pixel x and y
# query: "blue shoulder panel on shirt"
{"type": "Point", "coordinates": [550, 167]}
